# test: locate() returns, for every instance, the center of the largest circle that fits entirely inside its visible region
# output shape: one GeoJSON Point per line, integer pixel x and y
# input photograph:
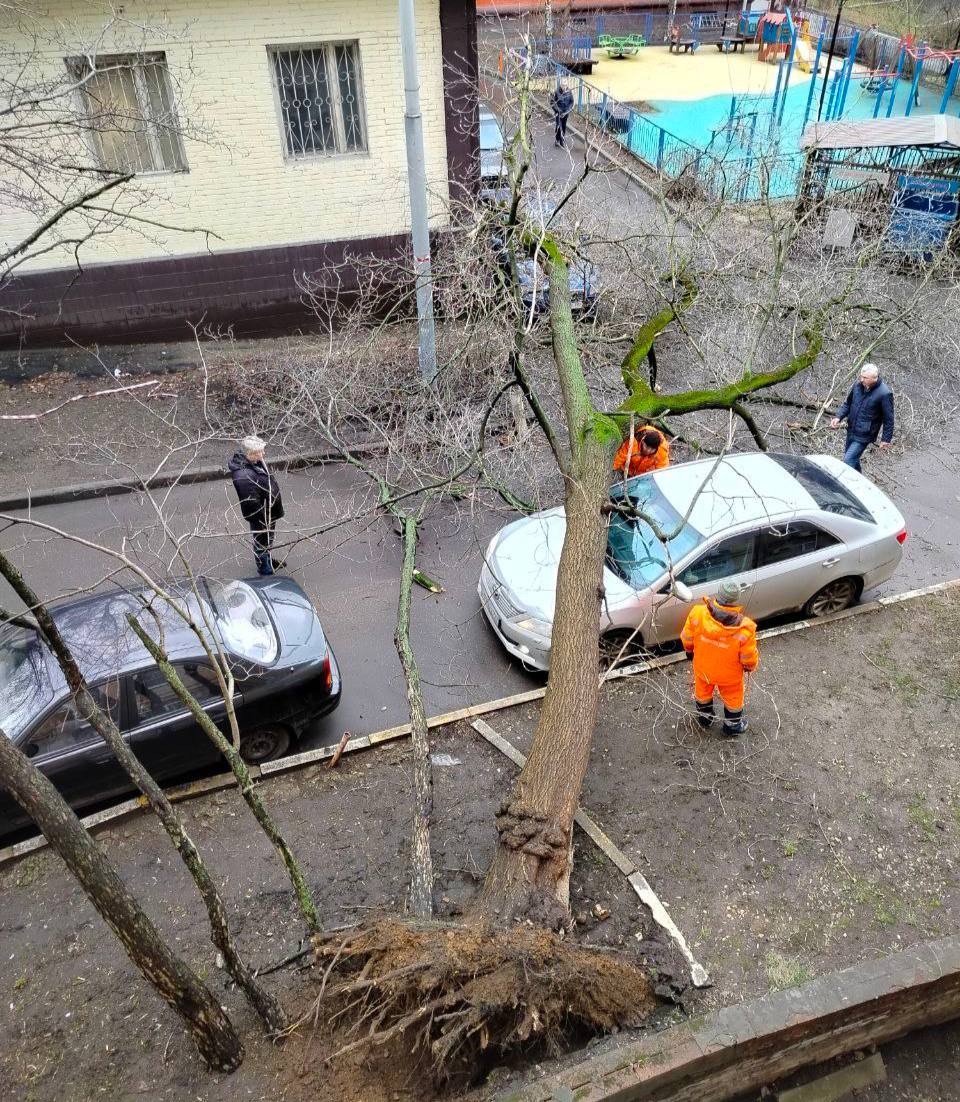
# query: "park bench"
{"type": "Point", "coordinates": [731, 43]}
{"type": "Point", "coordinates": [620, 46]}
{"type": "Point", "coordinates": [684, 46]}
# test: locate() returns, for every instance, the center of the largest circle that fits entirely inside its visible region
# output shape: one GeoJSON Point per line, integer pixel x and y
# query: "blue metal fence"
{"type": "Point", "coordinates": [728, 171]}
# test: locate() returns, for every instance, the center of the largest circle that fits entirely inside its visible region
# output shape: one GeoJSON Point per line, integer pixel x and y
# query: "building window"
{"type": "Point", "coordinates": [131, 116]}
{"type": "Point", "coordinates": [321, 99]}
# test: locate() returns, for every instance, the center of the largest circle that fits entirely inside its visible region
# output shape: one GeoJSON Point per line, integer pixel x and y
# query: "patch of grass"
{"type": "Point", "coordinates": [905, 687]}
{"type": "Point", "coordinates": [783, 972]}
{"type": "Point", "coordinates": [887, 909]}
{"type": "Point", "coordinates": [20, 983]}
{"type": "Point", "coordinates": [884, 916]}
{"type": "Point", "coordinates": [790, 847]}
{"type": "Point", "coordinates": [920, 815]}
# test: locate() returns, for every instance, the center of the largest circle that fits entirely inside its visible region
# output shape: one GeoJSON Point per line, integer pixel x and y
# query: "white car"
{"type": "Point", "coordinates": [797, 532]}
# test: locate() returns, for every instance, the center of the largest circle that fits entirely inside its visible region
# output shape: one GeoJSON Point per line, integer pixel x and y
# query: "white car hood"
{"type": "Point", "coordinates": [526, 557]}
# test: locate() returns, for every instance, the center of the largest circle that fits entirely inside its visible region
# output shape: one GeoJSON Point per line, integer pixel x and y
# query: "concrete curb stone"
{"type": "Point", "coordinates": [213, 472]}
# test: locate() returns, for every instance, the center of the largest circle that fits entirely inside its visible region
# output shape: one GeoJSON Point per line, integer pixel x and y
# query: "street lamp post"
{"type": "Point", "coordinates": [417, 177]}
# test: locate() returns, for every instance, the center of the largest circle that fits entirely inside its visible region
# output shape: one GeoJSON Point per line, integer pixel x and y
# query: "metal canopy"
{"type": "Point", "coordinates": [916, 131]}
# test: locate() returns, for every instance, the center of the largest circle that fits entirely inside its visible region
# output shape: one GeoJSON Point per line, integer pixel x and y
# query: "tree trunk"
{"type": "Point", "coordinates": [530, 873]}
{"type": "Point", "coordinates": [266, 1006]}
{"type": "Point", "coordinates": [421, 873]}
{"type": "Point", "coordinates": [177, 984]}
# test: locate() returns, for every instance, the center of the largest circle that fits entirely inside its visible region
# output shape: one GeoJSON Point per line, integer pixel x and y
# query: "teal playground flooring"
{"type": "Point", "coordinates": [706, 124]}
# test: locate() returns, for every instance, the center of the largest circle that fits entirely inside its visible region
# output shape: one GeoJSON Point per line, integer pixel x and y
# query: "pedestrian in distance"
{"type": "Point", "coordinates": [260, 500]}
{"type": "Point", "coordinates": [722, 642]}
{"type": "Point", "coordinates": [644, 450]}
{"type": "Point", "coordinates": [562, 103]}
{"type": "Point", "coordinates": [867, 410]}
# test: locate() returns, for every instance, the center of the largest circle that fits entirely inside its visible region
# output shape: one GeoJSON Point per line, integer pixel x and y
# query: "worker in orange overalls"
{"type": "Point", "coordinates": [723, 645]}
{"type": "Point", "coordinates": [645, 450]}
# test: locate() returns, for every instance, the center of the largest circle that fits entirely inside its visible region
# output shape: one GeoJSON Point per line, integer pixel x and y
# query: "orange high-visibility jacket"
{"type": "Point", "coordinates": [640, 464]}
{"type": "Point", "coordinates": [722, 640]}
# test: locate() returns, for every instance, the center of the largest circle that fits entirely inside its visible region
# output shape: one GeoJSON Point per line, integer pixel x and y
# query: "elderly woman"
{"type": "Point", "coordinates": [260, 500]}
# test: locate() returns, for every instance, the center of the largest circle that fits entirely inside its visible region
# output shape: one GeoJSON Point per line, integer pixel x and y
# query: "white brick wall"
{"type": "Point", "coordinates": [239, 185]}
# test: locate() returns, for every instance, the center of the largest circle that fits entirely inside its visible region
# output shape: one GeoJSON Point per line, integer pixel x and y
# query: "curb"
{"type": "Point", "coordinates": [84, 491]}
{"type": "Point", "coordinates": [444, 719]}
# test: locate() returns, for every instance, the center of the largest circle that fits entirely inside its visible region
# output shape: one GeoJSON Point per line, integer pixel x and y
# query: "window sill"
{"type": "Point", "coordinates": [325, 158]}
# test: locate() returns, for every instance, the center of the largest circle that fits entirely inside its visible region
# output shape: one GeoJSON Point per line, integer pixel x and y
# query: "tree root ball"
{"type": "Point", "coordinates": [464, 996]}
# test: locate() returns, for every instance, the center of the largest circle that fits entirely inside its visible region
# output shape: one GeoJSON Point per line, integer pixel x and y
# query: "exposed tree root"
{"type": "Point", "coordinates": [461, 996]}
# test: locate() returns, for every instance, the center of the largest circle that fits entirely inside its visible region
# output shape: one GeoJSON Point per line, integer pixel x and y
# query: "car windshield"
{"type": "Point", "coordinates": [245, 626]}
{"type": "Point", "coordinates": [828, 492]}
{"type": "Point", "coordinates": [490, 134]}
{"type": "Point", "coordinates": [25, 688]}
{"type": "Point", "coordinates": [634, 551]}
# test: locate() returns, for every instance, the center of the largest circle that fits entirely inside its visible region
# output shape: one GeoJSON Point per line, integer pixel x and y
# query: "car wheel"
{"type": "Point", "coordinates": [834, 597]}
{"type": "Point", "coordinates": [264, 744]}
{"type": "Point", "coordinates": [621, 648]}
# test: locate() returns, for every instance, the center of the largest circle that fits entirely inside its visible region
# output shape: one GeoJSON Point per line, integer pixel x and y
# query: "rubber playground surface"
{"type": "Point", "coordinates": [691, 95]}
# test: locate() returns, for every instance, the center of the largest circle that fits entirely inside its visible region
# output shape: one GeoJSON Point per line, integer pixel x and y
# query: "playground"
{"type": "Point", "coordinates": [744, 90]}
{"type": "Point", "coordinates": [655, 74]}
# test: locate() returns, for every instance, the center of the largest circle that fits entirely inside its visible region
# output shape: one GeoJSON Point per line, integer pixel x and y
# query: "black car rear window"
{"type": "Point", "coordinates": [828, 492]}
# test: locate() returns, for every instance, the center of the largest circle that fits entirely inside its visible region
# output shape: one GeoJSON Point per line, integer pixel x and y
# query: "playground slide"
{"type": "Point", "coordinates": [804, 56]}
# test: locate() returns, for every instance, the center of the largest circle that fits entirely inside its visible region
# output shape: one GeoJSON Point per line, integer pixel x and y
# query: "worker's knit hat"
{"type": "Point", "coordinates": [728, 593]}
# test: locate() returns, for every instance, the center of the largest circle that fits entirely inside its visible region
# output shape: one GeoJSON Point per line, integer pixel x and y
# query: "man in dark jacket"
{"type": "Point", "coordinates": [562, 103]}
{"type": "Point", "coordinates": [868, 408]}
{"type": "Point", "coordinates": [260, 500]}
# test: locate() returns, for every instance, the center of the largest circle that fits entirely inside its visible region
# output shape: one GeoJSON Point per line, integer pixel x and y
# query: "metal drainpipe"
{"type": "Point", "coordinates": [417, 177]}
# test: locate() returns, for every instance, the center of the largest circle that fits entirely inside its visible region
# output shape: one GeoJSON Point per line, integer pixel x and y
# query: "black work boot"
{"type": "Point", "coordinates": [733, 723]}
{"type": "Point", "coordinates": [705, 715]}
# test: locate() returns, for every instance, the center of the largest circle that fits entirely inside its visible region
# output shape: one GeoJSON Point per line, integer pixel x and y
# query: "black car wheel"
{"type": "Point", "coordinates": [621, 648]}
{"type": "Point", "coordinates": [264, 744]}
{"type": "Point", "coordinates": [834, 597]}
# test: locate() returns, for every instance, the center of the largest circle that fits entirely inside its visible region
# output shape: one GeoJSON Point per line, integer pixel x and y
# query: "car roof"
{"type": "Point", "coordinates": [96, 630]}
{"type": "Point", "coordinates": [734, 490]}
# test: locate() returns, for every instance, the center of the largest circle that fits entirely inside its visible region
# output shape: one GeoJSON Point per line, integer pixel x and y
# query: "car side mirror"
{"type": "Point", "coordinates": [682, 591]}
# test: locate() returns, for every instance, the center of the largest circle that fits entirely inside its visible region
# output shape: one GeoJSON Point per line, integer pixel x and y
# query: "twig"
{"type": "Point", "coordinates": [76, 398]}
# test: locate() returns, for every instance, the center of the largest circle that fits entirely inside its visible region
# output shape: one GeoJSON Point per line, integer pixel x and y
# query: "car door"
{"type": "Point", "coordinates": [70, 753]}
{"type": "Point", "coordinates": [730, 558]}
{"type": "Point", "coordinates": [795, 559]}
{"type": "Point", "coordinates": [163, 732]}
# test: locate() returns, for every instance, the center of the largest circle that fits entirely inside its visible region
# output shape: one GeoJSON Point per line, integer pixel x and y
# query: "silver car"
{"type": "Point", "coordinates": [797, 532]}
{"type": "Point", "coordinates": [492, 166]}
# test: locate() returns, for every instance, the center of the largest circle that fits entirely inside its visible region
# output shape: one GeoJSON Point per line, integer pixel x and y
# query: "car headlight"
{"type": "Point", "coordinates": [535, 627]}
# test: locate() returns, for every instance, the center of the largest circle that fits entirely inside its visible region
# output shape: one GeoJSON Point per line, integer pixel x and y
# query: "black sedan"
{"type": "Point", "coordinates": [285, 673]}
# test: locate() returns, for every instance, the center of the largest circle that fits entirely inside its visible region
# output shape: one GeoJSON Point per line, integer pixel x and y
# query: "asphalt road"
{"type": "Point", "coordinates": [351, 571]}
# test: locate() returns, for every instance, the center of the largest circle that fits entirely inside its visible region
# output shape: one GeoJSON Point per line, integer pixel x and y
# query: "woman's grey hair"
{"type": "Point", "coordinates": [251, 445]}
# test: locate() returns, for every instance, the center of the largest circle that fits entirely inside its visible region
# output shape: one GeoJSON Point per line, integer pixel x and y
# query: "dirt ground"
{"type": "Point", "coordinates": [829, 833]}
{"type": "Point", "coordinates": [78, 1023]}
{"type": "Point", "coordinates": [192, 413]}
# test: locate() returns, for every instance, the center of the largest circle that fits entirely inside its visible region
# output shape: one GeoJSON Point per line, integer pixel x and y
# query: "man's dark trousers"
{"type": "Point", "coordinates": [262, 548]}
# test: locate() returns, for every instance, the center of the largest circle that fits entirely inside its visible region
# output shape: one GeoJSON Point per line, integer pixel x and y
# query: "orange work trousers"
{"type": "Point", "coordinates": [731, 695]}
